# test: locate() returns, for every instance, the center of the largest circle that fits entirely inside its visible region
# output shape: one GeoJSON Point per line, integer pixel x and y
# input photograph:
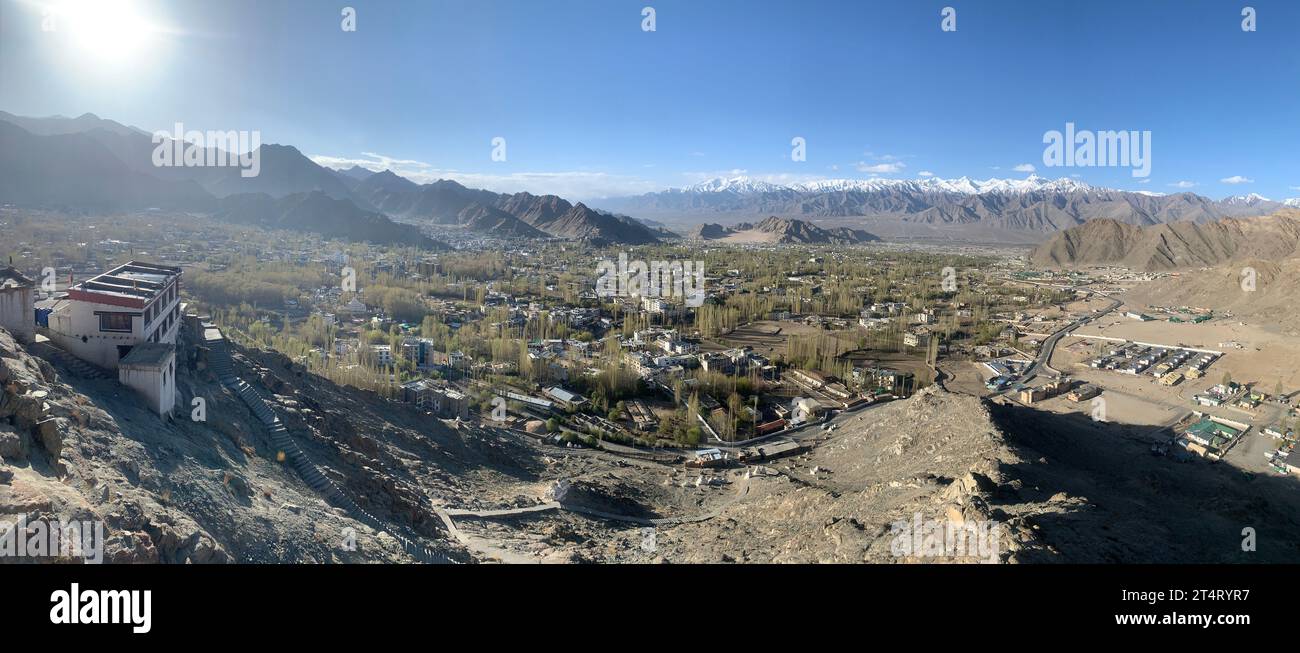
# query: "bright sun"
{"type": "Point", "coordinates": [107, 31]}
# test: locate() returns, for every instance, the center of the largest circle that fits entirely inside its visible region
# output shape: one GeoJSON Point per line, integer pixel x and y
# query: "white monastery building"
{"type": "Point", "coordinates": [126, 319]}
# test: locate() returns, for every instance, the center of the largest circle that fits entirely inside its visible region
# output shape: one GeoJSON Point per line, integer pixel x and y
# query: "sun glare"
{"type": "Point", "coordinates": [106, 31]}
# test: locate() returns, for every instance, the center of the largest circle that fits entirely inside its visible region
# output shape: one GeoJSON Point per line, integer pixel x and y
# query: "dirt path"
{"type": "Point", "coordinates": [484, 549]}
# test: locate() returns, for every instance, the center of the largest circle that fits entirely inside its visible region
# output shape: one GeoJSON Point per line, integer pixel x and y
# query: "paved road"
{"type": "Point", "coordinates": [503, 512]}
{"type": "Point", "coordinates": [1049, 345]}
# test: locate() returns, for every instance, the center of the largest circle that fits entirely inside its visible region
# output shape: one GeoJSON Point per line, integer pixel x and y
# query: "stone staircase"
{"type": "Point", "coordinates": [221, 364]}
{"type": "Point", "coordinates": [71, 364]}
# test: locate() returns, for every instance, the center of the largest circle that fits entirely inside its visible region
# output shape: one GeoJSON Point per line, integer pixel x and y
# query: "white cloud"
{"type": "Point", "coordinates": [1236, 179]}
{"type": "Point", "coordinates": [925, 173]}
{"type": "Point", "coordinates": [882, 157]}
{"type": "Point", "coordinates": [1183, 184]}
{"type": "Point", "coordinates": [881, 168]}
{"type": "Point", "coordinates": [573, 185]}
{"type": "Point", "coordinates": [1025, 167]}
{"type": "Point", "coordinates": [1146, 180]}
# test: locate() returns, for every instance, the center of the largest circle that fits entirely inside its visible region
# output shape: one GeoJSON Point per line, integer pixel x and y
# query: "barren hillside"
{"type": "Point", "coordinates": [1173, 245]}
{"type": "Point", "coordinates": [167, 490]}
{"type": "Point", "coordinates": [1042, 486]}
{"type": "Point", "coordinates": [1062, 490]}
{"type": "Point", "coordinates": [1273, 300]}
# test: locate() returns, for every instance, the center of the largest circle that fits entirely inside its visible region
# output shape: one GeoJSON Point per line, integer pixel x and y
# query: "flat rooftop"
{"type": "Point", "coordinates": [133, 280]}
{"type": "Point", "coordinates": [149, 354]}
{"type": "Point", "coordinates": [10, 277]}
{"type": "Point", "coordinates": [1205, 427]}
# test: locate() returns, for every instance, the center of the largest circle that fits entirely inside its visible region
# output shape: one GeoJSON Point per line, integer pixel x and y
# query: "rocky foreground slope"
{"type": "Point", "coordinates": [1059, 489]}
{"type": "Point", "coordinates": [1024, 486]}
{"type": "Point", "coordinates": [178, 490]}
{"type": "Point", "coordinates": [1019, 485]}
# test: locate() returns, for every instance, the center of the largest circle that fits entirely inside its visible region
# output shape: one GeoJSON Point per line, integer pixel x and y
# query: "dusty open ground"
{"type": "Point", "coordinates": [767, 337]}
{"type": "Point", "coordinates": [1269, 352]}
{"type": "Point", "coordinates": [1266, 356]}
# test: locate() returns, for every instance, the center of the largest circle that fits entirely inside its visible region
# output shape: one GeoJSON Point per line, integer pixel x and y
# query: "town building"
{"type": "Point", "coordinates": [383, 354]}
{"type": "Point", "coordinates": [1083, 393]}
{"type": "Point", "coordinates": [918, 337]}
{"type": "Point", "coordinates": [570, 400]}
{"type": "Point", "coordinates": [441, 401]}
{"type": "Point", "coordinates": [17, 304]}
{"type": "Point", "coordinates": [104, 317]}
{"type": "Point", "coordinates": [804, 409]}
{"type": "Point", "coordinates": [1210, 436]}
{"type": "Point", "coordinates": [1031, 395]}
{"type": "Point", "coordinates": [354, 307]}
{"type": "Point", "coordinates": [150, 369]}
{"type": "Point", "coordinates": [642, 417]}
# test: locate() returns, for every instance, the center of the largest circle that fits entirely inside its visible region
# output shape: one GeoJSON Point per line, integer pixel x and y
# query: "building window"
{"type": "Point", "coordinates": [119, 322]}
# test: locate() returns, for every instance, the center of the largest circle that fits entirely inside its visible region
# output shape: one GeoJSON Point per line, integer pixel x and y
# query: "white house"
{"type": "Point", "coordinates": [383, 354]}
{"type": "Point", "coordinates": [17, 304]}
{"type": "Point", "coordinates": [104, 317]}
{"type": "Point", "coordinates": [804, 409]}
{"type": "Point", "coordinates": [150, 369]}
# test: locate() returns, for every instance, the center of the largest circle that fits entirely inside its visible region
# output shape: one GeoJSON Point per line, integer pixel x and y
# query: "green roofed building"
{"type": "Point", "coordinates": [1211, 436]}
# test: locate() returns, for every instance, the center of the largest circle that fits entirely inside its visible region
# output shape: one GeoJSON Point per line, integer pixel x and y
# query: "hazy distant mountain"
{"type": "Point", "coordinates": [76, 172]}
{"type": "Point", "coordinates": [320, 213]}
{"type": "Point", "coordinates": [389, 193]}
{"type": "Point", "coordinates": [85, 172]}
{"type": "Point", "coordinates": [708, 231]}
{"type": "Point", "coordinates": [356, 172]}
{"type": "Point", "coordinates": [56, 125]}
{"type": "Point", "coordinates": [284, 171]}
{"type": "Point", "coordinates": [110, 167]}
{"type": "Point", "coordinates": [351, 177]}
{"type": "Point", "coordinates": [584, 223]}
{"type": "Point", "coordinates": [1174, 245]}
{"type": "Point", "coordinates": [781, 231]}
{"type": "Point", "coordinates": [485, 219]}
{"type": "Point", "coordinates": [443, 201]}
{"type": "Point", "coordinates": [660, 229]}
{"type": "Point", "coordinates": [1032, 204]}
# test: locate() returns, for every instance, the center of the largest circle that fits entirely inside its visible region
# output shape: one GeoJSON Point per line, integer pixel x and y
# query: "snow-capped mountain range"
{"type": "Point", "coordinates": [1251, 199]}
{"type": "Point", "coordinates": [959, 186]}
{"type": "Point", "coordinates": [1031, 204]}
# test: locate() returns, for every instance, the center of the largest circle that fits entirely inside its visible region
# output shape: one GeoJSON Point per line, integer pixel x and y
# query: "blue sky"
{"type": "Point", "coordinates": [590, 105]}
